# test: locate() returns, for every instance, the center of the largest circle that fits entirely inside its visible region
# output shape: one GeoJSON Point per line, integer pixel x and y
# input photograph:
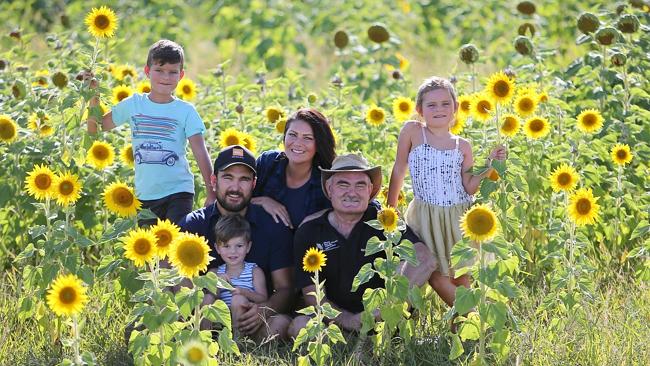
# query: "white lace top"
{"type": "Point", "coordinates": [436, 174]}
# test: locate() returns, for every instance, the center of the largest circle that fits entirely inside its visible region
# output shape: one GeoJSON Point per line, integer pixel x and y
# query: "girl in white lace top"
{"type": "Point", "coordinates": [440, 165]}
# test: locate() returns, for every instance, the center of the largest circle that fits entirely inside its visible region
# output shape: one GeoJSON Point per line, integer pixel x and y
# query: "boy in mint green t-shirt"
{"type": "Point", "coordinates": [161, 125]}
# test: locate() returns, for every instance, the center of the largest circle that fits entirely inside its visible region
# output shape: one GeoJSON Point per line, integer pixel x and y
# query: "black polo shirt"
{"type": "Point", "coordinates": [344, 257]}
{"type": "Point", "coordinates": [272, 242]}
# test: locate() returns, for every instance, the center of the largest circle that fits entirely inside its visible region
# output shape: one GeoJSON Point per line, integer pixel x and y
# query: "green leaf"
{"type": "Point", "coordinates": [28, 252]}
{"type": "Point", "coordinates": [226, 342]}
{"type": "Point", "coordinates": [218, 312]}
{"type": "Point", "coordinates": [208, 281]}
{"type": "Point", "coordinates": [406, 251]}
{"type": "Point", "coordinates": [642, 229]}
{"type": "Point", "coordinates": [303, 361]}
{"type": "Point", "coordinates": [37, 231]}
{"type": "Point", "coordinates": [79, 240]}
{"type": "Point", "coordinates": [466, 299]}
{"type": "Point", "coordinates": [146, 214]}
{"type": "Point", "coordinates": [365, 274]}
{"type": "Point", "coordinates": [329, 311]}
{"type": "Point", "coordinates": [373, 298]}
{"type": "Point", "coordinates": [500, 343]}
{"type": "Point", "coordinates": [497, 314]}
{"type": "Point", "coordinates": [334, 334]}
{"type": "Point", "coordinates": [469, 329]}
{"type": "Point", "coordinates": [507, 287]}
{"type": "Point", "coordinates": [319, 352]}
{"type": "Point", "coordinates": [108, 265]}
{"type": "Point", "coordinates": [391, 314]}
{"type": "Point", "coordinates": [374, 246]}
{"type": "Point", "coordinates": [300, 339]}
{"type": "Point", "coordinates": [309, 310]}
{"type": "Point", "coordinates": [456, 347]}
{"type": "Point", "coordinates": [114, 231]}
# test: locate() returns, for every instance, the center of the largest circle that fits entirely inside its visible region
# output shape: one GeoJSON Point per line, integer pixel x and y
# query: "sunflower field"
{"type": "Point", "coordinates": [561, 229]}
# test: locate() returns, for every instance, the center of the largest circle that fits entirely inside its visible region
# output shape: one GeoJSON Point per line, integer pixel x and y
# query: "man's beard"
{"type": "Point", "coordinates": [233, 207]}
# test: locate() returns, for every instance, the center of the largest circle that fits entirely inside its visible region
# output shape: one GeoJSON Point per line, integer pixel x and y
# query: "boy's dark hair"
{"type": "Point", "coordinates": [232, 226]}
{"type": "Point", "coordinates": [165, 52]}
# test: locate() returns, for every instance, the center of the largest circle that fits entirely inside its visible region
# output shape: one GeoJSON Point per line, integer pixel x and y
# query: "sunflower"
{"type": "Point", "coordinates": [189, 254]}
{"type": "Point", "coordinates": [387, 217]}
{"type": "Point", "coordinates": [525, 105]}
{"type": "Point", "coordinates": [229, 137]}
{"type": "Point", "coordinates": [186, 89]}
{"type": "Point", "coordinates": [67, 295]}
{"type": "Point", "coordinates": [144, 87]}
{"type": "Point", "coordinates": [248, 141]}
{"type": "Point", "coordinates": [121, 92]}
{"type": "Point", "coordinates": [500, 88]}
{"type": "Point", "coordinates": [40, 79]}
{"type": "Point", "coordinates": [280, 125]}
{"type": "Point", "coordinates": [493, 175]}
{"type": "Point", "coordinates": [401, 198]}
{"type": "Point", "coordinates": [126, 155]}
{"type": "Point", "coordinates": [273, 114]}
{"type": "Point", "coordinates": [375, 115]}
{"type": "Point", "coordinates": [403, 108]}
{"type": "Point", "coordinates": [194, 352]}
{"type": "Point", "coordinates": [66, 189]}
{"type": "Point", "coordinates": [537, 127]}
{"type": "Point", "coordinates": [481, 107]}
{"type": "Point", "coordinates": [564, 178]}
{"type": "Point", "coordinates": [39, 182]}
{"type": "Point", "coordinates": [509, 125]}
{"type": "Point", "coordinates": [479, 223]}
{"type": "Point", "coordinates": [458, 125]}
{"type": "Point", "coordinates": [465, 105]}
{"type": "Point", "coordinates": [542, 97]}
{"type": "Point", "coordinates": [590, 120]}
{"type": "Point", "coordinates": [40, 124]}
{"type": "Point", "coordinates": [140, 246]}
{"type": "Point", "coordinates": [101, 22]}
{"type": "Point", "coordinates": [120, 199]}
{"type": "Point", "coordinates": [621, 154]}
{"type": "Point", "coordinates": [314, 260]}
{"type": "Point", "coordinates": [100, 155]}
{"type": "Point", "coordinates": [403, 63]}
{"type": "Point", "coordinates": [124, 71]}
{"type": "Point", "coordinates": [165, 233]}
{"type": "Point", "coordinates": [583, 208]}
{"type": "Point", "coordinates": [8, 129]}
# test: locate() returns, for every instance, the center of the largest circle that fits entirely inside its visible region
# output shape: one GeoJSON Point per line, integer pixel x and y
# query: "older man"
{"type": "Point", "coordinates": [342, 234]}
{"type": "Point", "coordinates": [233, 181]}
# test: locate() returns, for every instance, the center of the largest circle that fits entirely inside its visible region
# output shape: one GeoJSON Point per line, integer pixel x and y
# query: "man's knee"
{"type": "Point", "coordinates": [297, 323]}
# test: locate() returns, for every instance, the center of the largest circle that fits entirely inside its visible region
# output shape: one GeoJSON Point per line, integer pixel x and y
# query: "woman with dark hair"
{"type": "Point", "coordinates": [288, 183]}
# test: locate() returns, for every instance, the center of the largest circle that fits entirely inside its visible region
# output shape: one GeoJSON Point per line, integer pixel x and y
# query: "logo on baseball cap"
{"type": "Point", "coordinates": [233, 155]}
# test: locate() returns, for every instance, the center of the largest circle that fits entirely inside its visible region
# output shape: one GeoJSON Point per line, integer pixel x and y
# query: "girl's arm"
{"type": "Point", "coordinates": [259, 284]}
{"type": "Point", "coordinates": [404, 144]}
{"type": "Point", "coordinates": [472, 182]}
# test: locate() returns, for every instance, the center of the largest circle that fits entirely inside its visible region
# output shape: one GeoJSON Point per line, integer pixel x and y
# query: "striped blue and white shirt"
{"type": "Point", "coordinates": [245, 280]}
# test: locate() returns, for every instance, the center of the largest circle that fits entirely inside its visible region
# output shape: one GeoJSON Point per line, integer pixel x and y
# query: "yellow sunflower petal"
{"type": "Point", "coordinates": [229, 137]}
{"type": "Point", "coordinates": [314, 260]}
{"type": "Point", "coordinates": [120, 199]}
{"type": "Point", "coordinates": [375, 116]}
{"type": "Point", "coordinates": [537, 127]}
{"type": "Point", "coordinates": [8, 129]}
{"type": "Point", "coordinates": [100, 155]}
{"type": "Point", "coordinates": [621, 154]}
{"type": "Point", "coordinates": [403, 108]}
{"type": "Point", "coordinates": [564, 178]}
{"type": "Point", "coordinates": [388, 219]}
{"type": "Point", "coordinates": [40, 182]}
{"type": "Point", "coordinates": [165, 233]}
{"type": "Point", "coordinates": [189, 254]}
{"type": "Point", "coordinates": [140, 246]}
{"type": "Point", "coordinates": [66, 189]}
{"type": "Point", "coordinates": [101, 22]}
{"type": "Point", "coordinates": [500, 88]}
{"type": "Point", "coordinates": [590, 121]}
{"type": "Point", "coordinates": [479, 223]}
{"type": "Point", "coordinates": [583, 208]}
{"type": "Point", "coordinates": [67, 296]}
{"type": "Point", "coordinates": [186, 89]}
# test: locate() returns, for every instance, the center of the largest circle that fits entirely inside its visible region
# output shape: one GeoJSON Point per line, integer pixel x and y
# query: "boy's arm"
{"type": "Point", "coordinates": [205, 166]}
{"type": "Point", "coordinates": [107, 119]}
{"type": "Point", "coordinates": [259, 284]}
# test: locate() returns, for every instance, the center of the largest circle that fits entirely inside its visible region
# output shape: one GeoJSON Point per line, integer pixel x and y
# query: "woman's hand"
{"type": "Point", "coordinates": [274, 208]}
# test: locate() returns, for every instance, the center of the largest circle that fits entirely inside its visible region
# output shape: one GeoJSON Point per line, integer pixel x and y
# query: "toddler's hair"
{"type": "Point", "coordinates": [433, 83]}
{"type": "Point", "coordinates": [165, 52]}
{"type": "Point", "coordinates": [232, 226]}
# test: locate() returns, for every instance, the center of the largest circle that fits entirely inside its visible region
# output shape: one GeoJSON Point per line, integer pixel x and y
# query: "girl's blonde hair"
{"type": "Point", "coordinates": [433, 83]}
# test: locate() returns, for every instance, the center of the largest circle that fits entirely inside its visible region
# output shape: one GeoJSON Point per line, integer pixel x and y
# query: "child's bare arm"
{"type": "Point", "coordinates": [472, 182]}
{"type": "Point", "coordinates": [205, 166]}
{"type": "Point", "coordinates": [91, 121]}
{"type": "Point", "coordinates": [259, 284]}
{"type": "Point", "coordinates": [404, 145]}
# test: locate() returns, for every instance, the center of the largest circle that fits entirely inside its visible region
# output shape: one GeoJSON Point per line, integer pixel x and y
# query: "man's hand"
{"type": "Point", "coordinates": [251, 319]}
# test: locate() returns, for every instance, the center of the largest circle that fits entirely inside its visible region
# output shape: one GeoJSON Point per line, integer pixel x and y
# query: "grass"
{"type": "Point", "coordinates": [611, 329]}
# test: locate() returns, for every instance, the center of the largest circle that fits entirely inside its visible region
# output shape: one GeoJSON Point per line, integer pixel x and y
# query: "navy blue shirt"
{"type": "Point", "coordinates": [272, 182]}
{"type": "Point", "coordinates": [272, 242]}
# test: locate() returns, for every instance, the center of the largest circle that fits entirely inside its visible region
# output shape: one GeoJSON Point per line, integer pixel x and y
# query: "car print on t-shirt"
{"type": "Point", "coordinates": [151, 152]}
{"type": "Point", "coordinates": [157, 129]}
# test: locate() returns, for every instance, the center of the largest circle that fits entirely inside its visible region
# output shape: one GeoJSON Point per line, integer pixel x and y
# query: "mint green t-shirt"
{"type": "Point", "coordinates": [159, 133]}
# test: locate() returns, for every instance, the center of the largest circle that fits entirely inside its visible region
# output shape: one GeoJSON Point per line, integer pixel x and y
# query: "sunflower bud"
{"type": "Point", "coordinates": [218, 72]}
{"type": "Point", "coordinates": [312, 98]}
{"type": "Point", "coordinates": [65, 21]}
{"type": "Point", "coordinates": [15, 34]}
{"type": "Point", "coordinates": [341, 39]}
{"type": "Point", "coordinates": [60, 79]}
{"type": "Point", "coordinates": [526, 7]}
{"type": "Point", "coordinates": [468, 53]}
{"type": "Point", "coordinates": [396, 74]}
{"type": "Point", "coordinates": [336, 81]}
{"type": "Point", "coordinates": [606, 36]}
{"type": "Point", "coordinates": [3, 64]}
{"type": "Point", "coordinates": [510, 73]}
{"type": "Point", "coordinates": [22, 68]}
{"type": "Point", "coordinates": [261, 80]}
{"type": "Point", "coordinates": [18, 90]}
{"type": "Point", "coordinates": [526, 27]}
{"type": "Point", "coordinates": [637, 3]}
{"type": "Point", "coordinates": [618, 59]}
{"type": "Point", "coordinates": [453, 79]}
{"type": "Point", "coordinates": [620, 9]}
{"type": "Point", "coordinates": [588, 22]}
{"type": "Point", "coordinates": [378, 33]}
{"type": "Point", "coordinates": [239, 109]}
{"type": "Point", "coordinates": [523, 45]}
{"type": "Point", "coordinates": [628, 23]}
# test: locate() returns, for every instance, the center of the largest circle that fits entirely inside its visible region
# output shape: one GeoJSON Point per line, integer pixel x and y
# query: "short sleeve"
{"type": "Point", "coordinates": [122, 111]}
{"type": "Point", "coordinates": [193, 123]}
{"type": "Point", "coordinates": [300, 247]}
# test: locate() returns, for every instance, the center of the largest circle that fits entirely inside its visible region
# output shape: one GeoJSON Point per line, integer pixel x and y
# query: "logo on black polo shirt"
{"type": "Point", "coordinates": [328, 245]}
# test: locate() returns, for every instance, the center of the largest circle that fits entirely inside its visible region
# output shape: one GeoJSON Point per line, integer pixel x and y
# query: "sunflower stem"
{"type": "Point", "coordinates": [481, 346]}
{"type": "Point", "coordinates": [75, 342]}
{"type": "Point", "coordinates": [617, 222]}
{"type": "Point", "coordinates": [104, 211]}
{"type": "Point", "coordinates": [602, 79]}
{"type": "Point", "coordinates": [473, 77]}
{"type": "Point", "coordinates": [626, 96]}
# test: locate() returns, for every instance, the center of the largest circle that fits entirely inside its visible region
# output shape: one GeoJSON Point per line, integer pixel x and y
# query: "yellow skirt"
{"type": "Point", "coordinates": [438, 227]}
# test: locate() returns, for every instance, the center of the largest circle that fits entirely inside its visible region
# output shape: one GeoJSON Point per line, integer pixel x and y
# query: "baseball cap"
{"type": "Point", "coordinates": [233, 155]}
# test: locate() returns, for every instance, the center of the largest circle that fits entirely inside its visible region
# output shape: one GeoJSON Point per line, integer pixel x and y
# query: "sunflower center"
{"type": "Point", "coordinates": [195, 355]}
{"type": "Point", "coordinates": [583, 206]}
{"type": "Point", "coordinates": [404, 107]}
{"type": "Point", "coordinates": [146, 89]}
{"type": "Point", "coordinates": [526, 104]}
{"type": "Point", "coordinates": [501, 88]}
{"type": "Point", "coordinates": [100, 152]}
{"type": "Point", "coordinates": [509, 124]}
{"type": "Point", "coordinates": [564, 179]}
{"type": "Point", "coordinates": [589, 120]}
{"type": "Point", "coordinates": [312, 260]}
{"type": "Point", "coordinates": [66, 188]}
{"type": "Point", "coordinates": [121, 95]}
{"type": "Point", "coordinates": [190, 254]}
{"type": "Point", "coordinates": [43, 181]}
{"type": "Point", "coordinates": [480, 223]}
{"type": "Point", "coordinates": [68, 295]}
{"type": "Point", "coordinates": [536, 125]}
{"type": "Point", "coordinates": [7, 131]}
{"type": "Point", "coordinates": [273, 115]}
{"type": "Point", "coordinates": [164, 238]}
{"type": "Point", "coordinates": [187, 89]}
{"type": "Point", "coordinates": [465, 105]}
{"type": "Point", "coordinates": [122, 197]}
{"type": "Point", "coordinates": [376, 115]}
{"type": "Point", "coordinates": [232, 140]}
{"type": "Point", "coordinates": [483, 107]}
{"type": "Point", "coordinates": [621, 154]}
{"type": "Point", "coordinates": [142, 246]}
{"type": "Point", "coordinates": [102, 21]}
